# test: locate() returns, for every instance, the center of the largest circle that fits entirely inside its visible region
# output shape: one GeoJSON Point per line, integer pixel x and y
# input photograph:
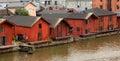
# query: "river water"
{"type": "Point", "coordinates": [99, 49]}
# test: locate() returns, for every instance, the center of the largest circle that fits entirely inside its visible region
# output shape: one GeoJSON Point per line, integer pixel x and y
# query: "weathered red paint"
{"type": "Point", "coordinates": [31, 33]}
{"type": "Point", "coordinates": [106, 22]}
{"type": "Point", "coordinates": [118, 22]}
{"type": "Point", "coordinates": [8, 31]}
{"type": "Point", "coordinates": [62, 28]}
{"type": "Point", "coordinates": [94, 24]}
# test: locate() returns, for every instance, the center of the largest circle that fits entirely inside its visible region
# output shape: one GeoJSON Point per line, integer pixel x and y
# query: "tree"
{"type": "Point", "coordinates": [21, 11]}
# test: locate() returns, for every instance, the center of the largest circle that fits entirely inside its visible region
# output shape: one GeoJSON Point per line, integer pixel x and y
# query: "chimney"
{"type": "Point", "coordinates": [7, 9]}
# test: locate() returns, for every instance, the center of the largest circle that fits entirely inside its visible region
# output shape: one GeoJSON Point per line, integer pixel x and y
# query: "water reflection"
{"type": "Point", "coordinates": [99, 49]}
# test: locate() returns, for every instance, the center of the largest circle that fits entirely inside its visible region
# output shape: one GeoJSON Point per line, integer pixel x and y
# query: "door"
{"type": "Point", "coordinates": [20, 37]}
{"type": "Point", "coordinates": [39, 36]}
{"type": "Point", "coordinates": [2, 41]}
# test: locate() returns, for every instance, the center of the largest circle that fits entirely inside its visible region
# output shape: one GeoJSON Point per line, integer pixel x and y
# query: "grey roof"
{"type": "Point", "coordinates": [27, 21]}
{"type": "Point", "coordinates": [53, 11]}
{"type": "Point", "coordinates": [84, 16]}
{"type": "Point", "coordinates": [53, 20]}
{"type": "Point", "coordinates": [9, 1]}
{"type": "Point", "coordinates": [18, 4]}
{"type": "Point", "coordinates": [99, 12]}
{"type": "Point", "coordinates": [71, 15]}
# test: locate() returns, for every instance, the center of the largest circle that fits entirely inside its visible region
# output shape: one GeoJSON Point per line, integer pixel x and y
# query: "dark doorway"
{"type": "Point", "coordinates": [20, 37]}
{"type": "Point", "coordinates": [2, 41]}
{"type": "Point", "coordinates": [39, 36]}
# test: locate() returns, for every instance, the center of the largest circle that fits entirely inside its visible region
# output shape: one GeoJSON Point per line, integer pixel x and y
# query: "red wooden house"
{"type": "Point", "coordinates": [107, 20]}
{"type": "Point", "coordinates": [30, 28]}
{"type": "Point", "coordinates": [81, 23]}
{"type": "Point", "coordinates": [59, 27]}
{"type": "Point", "coordinates": [6, 32]}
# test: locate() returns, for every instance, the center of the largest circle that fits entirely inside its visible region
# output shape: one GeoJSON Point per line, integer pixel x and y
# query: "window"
{"type": "Point", "coordinates": [110, 27]}
{"type": "Point", "coordinates": [1, 29]}
{"type": "Point", "coordinates": [30, 10]}
{"type": "Point", "coordinates": [40, 25]}
{"type": "Point", "coordinates": [101, 19]}
{"type": "Point", "coordinates": [78, 29]}
{"type": "Point", "coordinates": [45, 2]}
{"type": "Point", "coordinates": [101, 6]}
{"type": "Point", "coordinates": [87, 30]}
{"type": "Point", "coordinates": [101, 28]}
{"type": "Point", "coordinates": [70, 29]}
{"type": "Point", "coordinates": [2, 41]}
{"type": "Point", "coordinates": [55, 2]}
{"type": "Point", "coordinates": [117, 0]}
{"type": "Point", "coordinates": [39, 36]}
{"type": "Point", "coordinates": [118, 7]}
{"type": "Point", "coordinates": [20, 37]}
{"type": "Point", "coordinates": [110, 18]}
{"type": "Point", "coordinates": [49, 2]}
{"type": "Point", "coordinates": [87, 21]}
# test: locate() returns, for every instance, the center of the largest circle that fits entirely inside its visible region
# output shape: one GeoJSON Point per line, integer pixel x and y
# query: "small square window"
{"type": "Point", "coordinates": [1, 29]}
{"type": "Point", "coordinates": [40, 25]}
{"type": "Point", "coordinates": [100, 0]}
{"type": "Point", "coordinates": [78, 29]}
{"type": "Point", "coordinates": [87, 30]}
{"type": "Point", "coordinates": [118, 7]}
{"type": "Point", "coordinates": [117, 0]}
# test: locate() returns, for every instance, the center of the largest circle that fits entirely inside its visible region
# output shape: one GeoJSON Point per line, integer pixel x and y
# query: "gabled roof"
{"type": "Point", "coordinates": [84, 16]}
{"type": "Point", "coordinates": [4, 20]}
{"type": "Point", "coordinates": [53, 12]}
{"type": "Point", "coordinates": [99, 12]}
{"type": "Point", "coordinates": [54, 21]}
{"type": "Point", "coordinates": [27, 21]}
{"type": "Point", "coordinates": [18, 4]}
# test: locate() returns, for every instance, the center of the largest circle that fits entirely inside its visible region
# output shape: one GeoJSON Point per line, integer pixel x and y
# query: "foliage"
{"type": "Point", "coordinates": [21, 11]}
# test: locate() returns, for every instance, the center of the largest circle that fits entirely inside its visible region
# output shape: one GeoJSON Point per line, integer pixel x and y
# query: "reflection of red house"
{"type": "Point", "coordinates": [6, 32]}
{"type": "Point", "coordinates": [59, 28]}
{"type": "Point", "coordinates": [30, 28]}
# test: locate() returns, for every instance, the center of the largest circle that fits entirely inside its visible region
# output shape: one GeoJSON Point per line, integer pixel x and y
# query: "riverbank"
{"type": "Point", "coordinates": [39, 44]}
{"type": "Point", "coordinates": [59, 41]}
